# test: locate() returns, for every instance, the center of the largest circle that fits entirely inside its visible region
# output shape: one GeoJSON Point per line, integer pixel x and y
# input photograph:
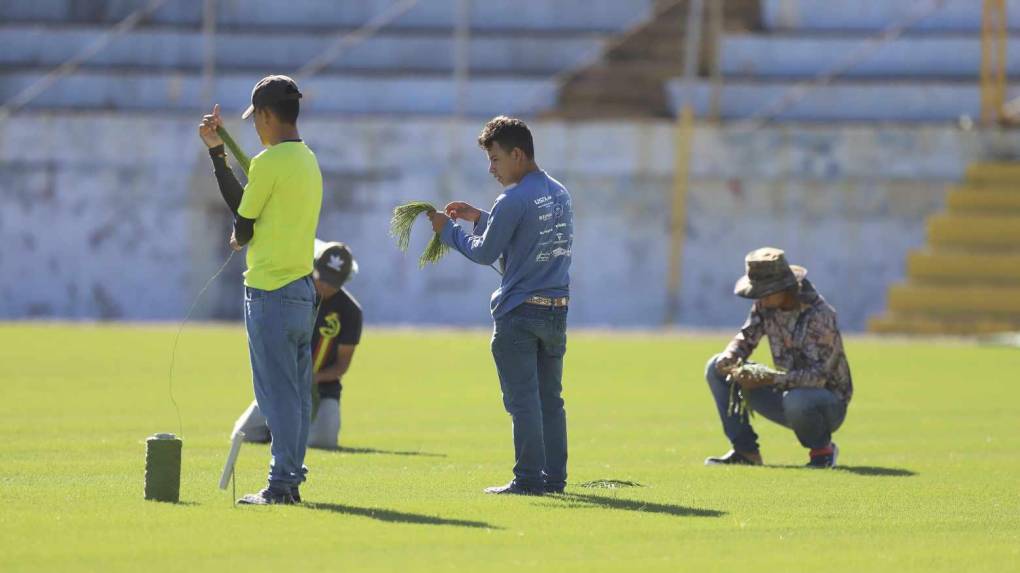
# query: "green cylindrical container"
{"type": "Point", "coordinates": [163, 468]}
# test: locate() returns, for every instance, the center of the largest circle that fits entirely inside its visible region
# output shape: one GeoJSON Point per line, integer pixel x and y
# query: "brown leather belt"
{"type": "Point", "coordinates": [548, 301]}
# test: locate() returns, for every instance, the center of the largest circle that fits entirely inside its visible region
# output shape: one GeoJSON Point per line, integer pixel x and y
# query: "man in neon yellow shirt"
{"type": "Point", "coordinates": [275, 216]}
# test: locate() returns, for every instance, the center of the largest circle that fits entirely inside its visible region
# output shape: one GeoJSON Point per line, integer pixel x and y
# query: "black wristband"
{"type": "Point", "coordinates": [218, 151]}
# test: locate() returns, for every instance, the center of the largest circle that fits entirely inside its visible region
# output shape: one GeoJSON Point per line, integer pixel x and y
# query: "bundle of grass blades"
{"type": "Point", "coordinates": [400, 228]}
{"type": "Point", "coordinates": [739, 403]}
{"type": "Point", "coordinates": [239, 154]}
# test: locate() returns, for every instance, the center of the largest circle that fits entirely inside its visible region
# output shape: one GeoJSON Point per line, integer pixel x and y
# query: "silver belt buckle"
{"type": "Point", "coordinates": [547, 301]}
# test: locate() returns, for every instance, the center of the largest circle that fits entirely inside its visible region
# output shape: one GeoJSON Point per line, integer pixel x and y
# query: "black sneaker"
{"type": "Point", "coordinates": [824, 461]}
{"type": "Point", "coordinates": [512, 488]}
{"type": "Point", "coordinates": [294, 493]}
{"type": "Point", "coordinates": [735, 458]}
{"type": "Point", "coordinates": [554, 488]}
{"type": "Point", "coordinates": [267, 497]}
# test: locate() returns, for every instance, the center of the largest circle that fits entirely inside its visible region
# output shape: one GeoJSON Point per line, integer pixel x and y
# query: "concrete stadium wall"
{"type": "Point", "coordinates": [118, 217]}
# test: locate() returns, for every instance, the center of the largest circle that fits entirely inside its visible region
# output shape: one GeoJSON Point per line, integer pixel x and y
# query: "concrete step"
{"type": "Point", "coordinates": [599, 108]}
{"type": "Point", "coordinates": [645, 71]}
{"type": "Point", "coordinates": [999, 303]}
{"type": "Point", "coordinates": [637, 91]}
{"type": "Point", "coordinates": [524, 53]}
{"type": "Point", "coordinates": [998, 232]}
{"type": "Point", "coordinates": [926, 325]}
{"type": "Point", "coordinates": [628, 81]}
{"type": "Point", "coordinates": [594, 15]}
{"type": "Point", "coordinates": [666, 48]}
{"type": "Point", "coordinates": [993, 174]}
{"type": "Point", "coordinates": [346, 93]}
{"type": "Point", "coordinates": [972, 268]}
{"type": "Point", "coordinates": [783, 56]}
{"type": "Point", "coordinates": [983, 200]}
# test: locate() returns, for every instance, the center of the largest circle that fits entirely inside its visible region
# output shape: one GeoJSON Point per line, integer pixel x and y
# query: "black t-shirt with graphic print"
{"type": "Point", "coordinates": [338, 322]}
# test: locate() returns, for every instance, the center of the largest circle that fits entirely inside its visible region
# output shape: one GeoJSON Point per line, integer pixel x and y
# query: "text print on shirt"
{"type": "Point", "coordinates": [560, 245]}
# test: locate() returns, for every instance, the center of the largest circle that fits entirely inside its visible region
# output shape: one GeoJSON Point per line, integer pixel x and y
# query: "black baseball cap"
{"type": "Point", "coordinates": [334, 263]}
{"type": "Point", "coordinates": [270, 90]}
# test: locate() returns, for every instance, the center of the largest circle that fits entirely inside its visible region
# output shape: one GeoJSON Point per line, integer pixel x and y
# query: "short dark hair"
{"type": "Point", "coordinates": [508, 132]}
{"type": "Point", "coordinates": [286, 111]}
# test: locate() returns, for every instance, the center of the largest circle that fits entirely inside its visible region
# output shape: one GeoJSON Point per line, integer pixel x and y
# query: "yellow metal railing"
{"type": "Point", "coordinates": [678, 216]}
{"type": "Point", "coordinates": [994, 36]}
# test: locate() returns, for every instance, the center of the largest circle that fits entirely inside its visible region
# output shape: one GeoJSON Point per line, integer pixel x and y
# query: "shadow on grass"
{"type": "Point", "coordinates": [346, 450]}
{"type": "Point", "coordinates": [875, 471]}
{"type": "Point", "coordinates": [858, 470]}
{"type": "Point", "coordinates": [584, 500]}
{"type": "Point", "coordinates": [397, 516]}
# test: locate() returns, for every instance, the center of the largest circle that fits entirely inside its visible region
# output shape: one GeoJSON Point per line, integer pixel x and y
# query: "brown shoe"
{"type": "Point", "coordinates": [735, 458]}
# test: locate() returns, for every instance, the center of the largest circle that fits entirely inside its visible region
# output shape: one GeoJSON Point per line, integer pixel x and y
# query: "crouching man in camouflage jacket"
{"type": "Point", "coordinates": [811, 388]}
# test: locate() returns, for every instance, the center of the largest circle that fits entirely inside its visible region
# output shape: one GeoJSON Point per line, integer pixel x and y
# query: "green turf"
{"type": "Point", "coordinates": [929, 483]}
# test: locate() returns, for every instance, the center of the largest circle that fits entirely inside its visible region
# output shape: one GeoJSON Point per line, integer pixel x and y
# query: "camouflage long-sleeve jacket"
{"type": "Point", "coordinates": [806, 344]}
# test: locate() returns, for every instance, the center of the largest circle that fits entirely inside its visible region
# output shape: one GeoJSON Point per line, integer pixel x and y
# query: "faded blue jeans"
{"type": "Point", "coordinates": [528, 344]}
{"type": "Point", "coordinates": [812, 413]}
{"type": "Point", "coordinates": [280, 324]}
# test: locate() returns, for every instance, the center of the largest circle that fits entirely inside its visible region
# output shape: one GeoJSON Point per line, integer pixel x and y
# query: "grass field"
{"type": "Point", "coordinates": [929, 481]}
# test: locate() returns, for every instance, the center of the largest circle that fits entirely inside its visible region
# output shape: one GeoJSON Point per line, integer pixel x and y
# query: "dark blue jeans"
{"type": "Point", "coordinates": [280, 324]}
{"type": "Point", "coordinates": [528, 344]}
{"type": "Point", "coordinates": [812, 413]}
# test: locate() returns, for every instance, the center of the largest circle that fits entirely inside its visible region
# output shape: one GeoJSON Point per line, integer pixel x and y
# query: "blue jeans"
{"type": "Point", "coordinates": [812, 413]}
{"type": "Point", "coordinates": [528, 344]}
{"type": "Point", "coordinates": [280, 324]}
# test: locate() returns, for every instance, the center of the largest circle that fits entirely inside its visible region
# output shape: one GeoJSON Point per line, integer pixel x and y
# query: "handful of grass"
{"type": "Point", "coordinates": [239, 154]}
{"type": "Point", "coordinates": [400, 228]}
{"type": "Point", "coordinates": [739, 404]}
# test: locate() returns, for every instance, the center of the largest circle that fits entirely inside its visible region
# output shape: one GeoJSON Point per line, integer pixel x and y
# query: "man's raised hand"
{"type": "Point", "coordinates": [462, 210]}
{"type": "Point", "coordinates": [207, 129]}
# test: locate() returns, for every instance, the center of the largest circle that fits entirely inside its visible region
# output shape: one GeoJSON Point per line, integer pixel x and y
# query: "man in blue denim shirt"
{"type": "Point", "coordinates": [530, 231]}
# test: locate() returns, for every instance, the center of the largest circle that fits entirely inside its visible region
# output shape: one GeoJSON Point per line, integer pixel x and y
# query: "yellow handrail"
{"type": "Point", "coordinates": [678, 216]}
{"type": "Point", "coordinates": [993, 61]}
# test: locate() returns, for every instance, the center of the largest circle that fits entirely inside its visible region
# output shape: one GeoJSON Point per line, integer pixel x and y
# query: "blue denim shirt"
{"type": "Point", "coordinates": [531, 230]}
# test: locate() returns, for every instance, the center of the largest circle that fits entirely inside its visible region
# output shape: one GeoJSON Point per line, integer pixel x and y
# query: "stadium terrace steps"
{"type": "Point", "coordinates": [346, 93]}
{"type": "Point", "coordinates": [517, 53]}
{"type": "Point", "coordinates": [967, 200]}
{"type": "Point", "coordinates": [926, 325]}
{"type": "Point", "coordinates": [608, 16]}
{"type": "Point", "coordinates": [988, 231]}
{"type": "Point", "coordinates": [964, 267]}
{"type": "Point", "coordinates": [967, 281]}
{"type": "Point", "coordinates": [941, 56]}
{"type": "Point", "coordinates": [177, 49]}
{"type": "Point", "coordinates": [842, 101]}
{"type": "Point", "coordinates": [872, 16]}
{"type": "Point", "coordinates": [628, 79]}
{"type": "Point", "coordinates": [994, 175]}
{"type": "Point", "coordinates": [1003, 301]}
{"type": "Point", "coordinates": [521, 53]}
{"type": "Point", "coordinates": [926, 73]}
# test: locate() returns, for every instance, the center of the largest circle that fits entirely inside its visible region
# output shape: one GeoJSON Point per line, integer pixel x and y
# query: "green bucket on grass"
{"type": "Point", "coordinates": [163, 468]}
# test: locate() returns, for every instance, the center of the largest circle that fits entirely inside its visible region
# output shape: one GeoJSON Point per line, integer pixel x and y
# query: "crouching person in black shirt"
{"type": "Point", "coordinates": [337, 333]}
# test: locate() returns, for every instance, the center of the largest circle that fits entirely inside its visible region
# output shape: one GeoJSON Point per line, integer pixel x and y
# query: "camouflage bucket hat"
{"type": "Point", "coordinates": [767, 273]}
